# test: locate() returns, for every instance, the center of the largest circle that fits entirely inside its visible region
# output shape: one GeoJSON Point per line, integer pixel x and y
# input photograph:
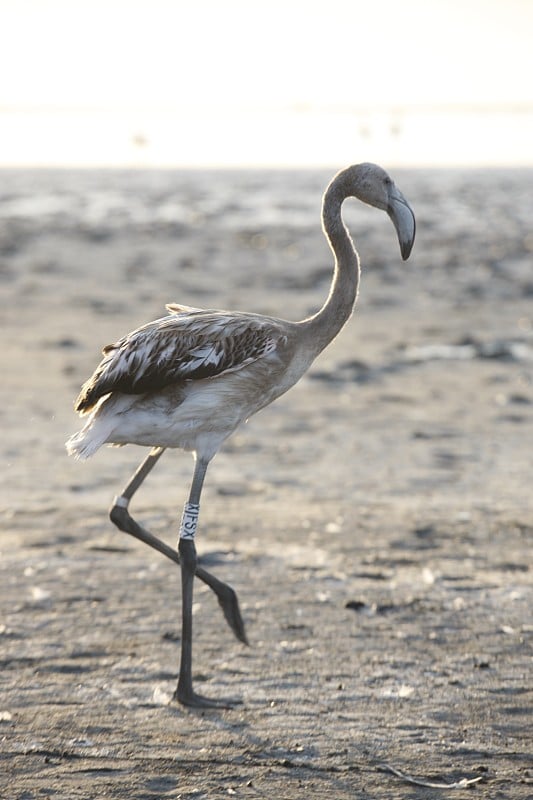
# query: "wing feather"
{"type": "Point", "coordinates": [187, 345]}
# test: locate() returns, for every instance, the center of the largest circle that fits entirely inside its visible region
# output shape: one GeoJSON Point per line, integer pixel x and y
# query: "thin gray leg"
{"type": "Point", "coordinates": [185, 693]}
{"type": "Point", "coordinates": [121, 517]}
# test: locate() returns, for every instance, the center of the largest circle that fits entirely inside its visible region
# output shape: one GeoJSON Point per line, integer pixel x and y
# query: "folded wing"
{"type": "Point", "coordinates": [187, 345]}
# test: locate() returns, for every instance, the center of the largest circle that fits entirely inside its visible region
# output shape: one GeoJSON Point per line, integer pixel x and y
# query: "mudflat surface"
{"type": "Point", "coordinates": [376, 521]}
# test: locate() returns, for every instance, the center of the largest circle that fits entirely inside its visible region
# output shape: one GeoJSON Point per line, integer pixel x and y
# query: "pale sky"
{"type": "Point", "coordinates": [281, 81]}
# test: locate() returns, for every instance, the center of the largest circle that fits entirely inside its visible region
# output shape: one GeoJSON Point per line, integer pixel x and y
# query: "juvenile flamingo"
{"type": "Point", "coordinates": [189, 379]}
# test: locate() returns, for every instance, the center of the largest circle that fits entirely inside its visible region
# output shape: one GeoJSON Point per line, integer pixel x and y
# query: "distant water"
{"type": "Point", "coordinates": [116, 199]}
{"type": "Point", "coordinates": [473, 226]}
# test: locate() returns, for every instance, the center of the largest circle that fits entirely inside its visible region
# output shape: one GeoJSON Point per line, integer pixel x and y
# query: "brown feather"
{"type": "Point", "coordinates": [189, 345]}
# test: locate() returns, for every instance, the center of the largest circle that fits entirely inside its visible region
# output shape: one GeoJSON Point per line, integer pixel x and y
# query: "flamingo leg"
{"type": "Point", "coordinates": [120, 516]}
{"type": "Point", "coordinates": [185, 693]}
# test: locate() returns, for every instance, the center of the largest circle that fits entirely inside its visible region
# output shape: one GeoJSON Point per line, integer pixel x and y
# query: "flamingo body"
{"type": "Point", "coordinates": [187, 380]}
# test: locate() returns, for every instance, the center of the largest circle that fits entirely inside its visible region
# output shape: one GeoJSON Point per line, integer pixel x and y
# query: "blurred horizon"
{"type": "Point", "coordinates": [407, 137]}
{"type": "Point", "coordinates": [291, 83]}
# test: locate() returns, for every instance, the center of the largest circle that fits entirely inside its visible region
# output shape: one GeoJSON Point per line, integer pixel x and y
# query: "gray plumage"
{"type": "Point", "coordinates": [190, 379]}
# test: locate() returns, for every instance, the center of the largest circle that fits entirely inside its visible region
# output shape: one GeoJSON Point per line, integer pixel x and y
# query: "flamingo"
{"type": "Point", "coordinates": [189, 379]}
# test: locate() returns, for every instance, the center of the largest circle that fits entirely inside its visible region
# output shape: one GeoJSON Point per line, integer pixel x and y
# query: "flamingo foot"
{"type": "Point", "coordinates": [188, 697]}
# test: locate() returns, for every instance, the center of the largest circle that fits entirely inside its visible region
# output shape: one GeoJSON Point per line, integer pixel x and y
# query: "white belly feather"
{"type": "Point", "coordinates": [195, 415]}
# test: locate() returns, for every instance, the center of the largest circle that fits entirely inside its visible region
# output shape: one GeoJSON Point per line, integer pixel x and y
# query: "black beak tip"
{"type": "Point", "coordinates": [407, 245]}
{"type": "Point", "coordinates": [405, 249]}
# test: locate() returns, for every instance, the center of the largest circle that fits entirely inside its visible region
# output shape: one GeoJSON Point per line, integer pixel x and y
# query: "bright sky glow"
{"type": "Point", "coordinates": [276, 82]}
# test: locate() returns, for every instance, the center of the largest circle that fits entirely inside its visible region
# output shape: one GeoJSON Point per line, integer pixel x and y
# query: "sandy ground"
{"type": "Point", "coordinates": [376, 521]}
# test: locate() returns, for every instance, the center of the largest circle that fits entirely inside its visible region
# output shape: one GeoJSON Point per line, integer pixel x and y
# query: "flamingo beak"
{"type": "Point", "coordinates": [403, 220]}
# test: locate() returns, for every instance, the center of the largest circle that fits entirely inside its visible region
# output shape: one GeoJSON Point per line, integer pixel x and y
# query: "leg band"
{"type": "Point", "coordinates": [189, 520]}
{"type": "Point", "coordinates": [121, 502]}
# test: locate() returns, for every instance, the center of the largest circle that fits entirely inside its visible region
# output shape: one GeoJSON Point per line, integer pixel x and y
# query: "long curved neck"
{"type": "Point", "coordinates": [337, 310]}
